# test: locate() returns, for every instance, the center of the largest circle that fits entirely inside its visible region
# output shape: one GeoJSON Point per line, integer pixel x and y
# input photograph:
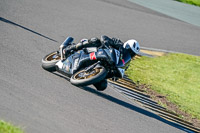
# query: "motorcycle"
{"type": "Point", "coordinates": [88, 66]}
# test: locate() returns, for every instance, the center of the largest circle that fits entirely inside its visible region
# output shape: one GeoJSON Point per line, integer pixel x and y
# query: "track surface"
{"type": "Point", "coordinates": [44, 102]}
{"type": "Point", "coordinates": [182, 11]}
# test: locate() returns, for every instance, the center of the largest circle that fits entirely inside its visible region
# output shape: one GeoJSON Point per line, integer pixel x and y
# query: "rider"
{"type": "Point", "coordinates": [130, 46]}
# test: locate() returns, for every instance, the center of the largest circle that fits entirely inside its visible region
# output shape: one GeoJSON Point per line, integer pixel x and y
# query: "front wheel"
{"type": "Point", "coordinates": [50, 60]}
{"type": "Point", "coordinates": [83, 78]}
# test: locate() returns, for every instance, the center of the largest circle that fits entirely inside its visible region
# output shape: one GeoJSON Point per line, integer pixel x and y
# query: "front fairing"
{"type": "Point", "coordinates": [77, 61]}
{"type": "Point", "coordinates": [69, 65]}
{"type": "Point", "coordinates": [82, 59]}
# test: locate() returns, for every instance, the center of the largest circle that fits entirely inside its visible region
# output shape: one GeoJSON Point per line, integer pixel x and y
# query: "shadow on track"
{"type": "Point", "coordinates": [132, 107]}
{"type": "Point", "coordinates": [127, 105]}
{"type": "Point", "coordinates": [15, 24]}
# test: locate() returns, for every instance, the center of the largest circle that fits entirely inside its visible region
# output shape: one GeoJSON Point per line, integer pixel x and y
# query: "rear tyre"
{"type": "Point", "coordinates": [50, 60]}
{"type": "Point", "coordinates": [102, 85]}
{"type": "Point", "coordinates": [83, 78]}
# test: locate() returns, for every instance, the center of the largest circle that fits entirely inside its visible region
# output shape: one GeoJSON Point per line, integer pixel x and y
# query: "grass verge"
{"type": "Point", "coordinates": [6, 127]}
{"type": "Point", "coordinates": [177, 76]}
{"type": "Point", "coordinates": [192, 2]}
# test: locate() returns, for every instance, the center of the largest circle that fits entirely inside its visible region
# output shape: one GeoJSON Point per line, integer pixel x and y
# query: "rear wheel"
{"type": "Point", "coordinates": [102, 85]}
{"type": "Point", "coordinates": [50, 60]}
{"type": "Point", "coordinates": [83, 78]}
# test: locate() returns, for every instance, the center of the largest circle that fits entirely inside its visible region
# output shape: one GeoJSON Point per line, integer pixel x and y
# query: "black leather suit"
{"type": "Point", "coordinates": [95, 42]}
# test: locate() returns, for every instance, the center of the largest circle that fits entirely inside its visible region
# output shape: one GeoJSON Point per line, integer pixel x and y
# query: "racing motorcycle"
{"type": "Point", "coordinates": [88, 66]}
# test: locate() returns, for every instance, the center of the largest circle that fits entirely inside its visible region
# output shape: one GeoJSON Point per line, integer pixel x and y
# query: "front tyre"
{"type": "Point", "coordinates": [50, 60]}
{"type": "Point", "coordinates": [83, 78]}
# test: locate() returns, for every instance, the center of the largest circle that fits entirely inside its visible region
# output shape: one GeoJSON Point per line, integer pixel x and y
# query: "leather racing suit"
{"type": "Point", "coordinates": [104, 41]}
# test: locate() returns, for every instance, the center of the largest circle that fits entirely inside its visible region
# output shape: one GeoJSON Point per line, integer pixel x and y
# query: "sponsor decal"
{"type": "Point", "coordinates": [76, 63]}
{"type": "Point", "coordinates": [123, 61]}
{"type": "Point", "coordinates": [92, 56]}
{"type": "Point", "coordinates": [67, 68]}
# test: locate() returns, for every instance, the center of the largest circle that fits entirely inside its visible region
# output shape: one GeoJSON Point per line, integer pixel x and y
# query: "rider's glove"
{"type": "Point", "coordinates": [117, 41]}
{"type": "Point", "coordinates": [105, 40]}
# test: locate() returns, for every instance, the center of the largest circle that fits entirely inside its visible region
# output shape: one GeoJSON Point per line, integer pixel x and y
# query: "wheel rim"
{"type": "Point", "coordinates": [52, 57]}
{"type": "Point", "coordinates": [86, 75]}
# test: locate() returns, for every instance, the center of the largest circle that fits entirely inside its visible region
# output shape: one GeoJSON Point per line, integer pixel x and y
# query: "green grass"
{"type": "Point", "coordinates": [175, 75]}
{"type": "Point", "coordinates": [192, 2]}
{"type": "Point", "coordinates": [6, 127]}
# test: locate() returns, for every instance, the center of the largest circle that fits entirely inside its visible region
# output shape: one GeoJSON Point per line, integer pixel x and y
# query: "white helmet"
{"type": "Point", "coordinates": [133, 45]}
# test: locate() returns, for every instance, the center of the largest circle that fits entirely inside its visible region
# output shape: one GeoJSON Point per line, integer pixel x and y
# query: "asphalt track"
{"type": "Point", "coordinates": [182, 11]}
{"type": "Point", "coordinates": [43, 102]}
